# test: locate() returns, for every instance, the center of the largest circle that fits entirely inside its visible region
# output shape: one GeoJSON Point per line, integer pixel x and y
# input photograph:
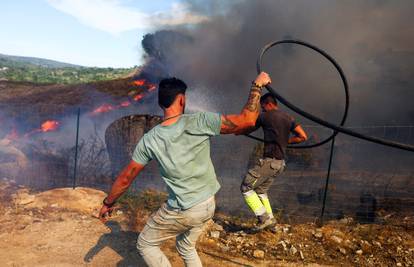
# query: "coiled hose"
{"type": "Point", "coordinates": [336, 128]}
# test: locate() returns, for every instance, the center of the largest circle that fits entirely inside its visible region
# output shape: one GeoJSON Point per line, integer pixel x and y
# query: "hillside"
{"type": "Point", "coordinates": [41, 62]}
{"type": "Point", "coordinates": [45, 71]}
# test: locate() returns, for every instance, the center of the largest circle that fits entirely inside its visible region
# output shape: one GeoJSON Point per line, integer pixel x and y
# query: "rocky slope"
{"type": "Point", "coordinates": [59, 228]}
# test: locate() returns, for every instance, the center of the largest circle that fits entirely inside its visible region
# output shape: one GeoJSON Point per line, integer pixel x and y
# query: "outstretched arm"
{"type": "Point", "coordinates": [238, 123]}
{"type": "Point", "coordinates": [121, 184]}
{"type": "Point", "coordinates": [299, 135]}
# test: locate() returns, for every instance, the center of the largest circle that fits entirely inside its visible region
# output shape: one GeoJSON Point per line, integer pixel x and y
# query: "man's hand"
{"type": "Point", "coordinates": [262, 79]}
{"type": "Point", "coordinates": [105, 212]}
{"type": "Point", "coordinates": [238, 123]}
{"type": "Point", "coordinates": [299, 135]}
{"type": "Point", "coordinates": [121, 184]}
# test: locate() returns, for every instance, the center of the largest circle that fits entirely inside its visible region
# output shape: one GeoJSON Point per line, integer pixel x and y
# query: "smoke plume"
{"type": "Point", "coordinates": [372, 40]}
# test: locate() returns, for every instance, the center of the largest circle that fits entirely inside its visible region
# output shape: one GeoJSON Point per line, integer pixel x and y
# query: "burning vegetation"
{"type": "Point", "coordinates": [370, 197]}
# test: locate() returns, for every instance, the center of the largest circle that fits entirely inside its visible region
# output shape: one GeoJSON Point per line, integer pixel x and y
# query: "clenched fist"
{"type": "Point", "coordinates": [262, 79]}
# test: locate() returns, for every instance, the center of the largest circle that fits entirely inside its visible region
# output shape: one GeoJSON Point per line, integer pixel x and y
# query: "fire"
{"type": "Point", "coordinates": [103, 109]}
{"type": "Point", "coordinates": [152, 87]}
{"type": "Point", "coordinates": [139, 82]}
{"type": "Point", "coordinates": [142, 82]}
{"type": "Point", "coordinates": [108, 107]}
{"type": "Point", "coordinates": [138, 97]}
{"type": "Point", "coordinates": [125, 104]}
{"type": "Point", "coordinates": [49, 126]}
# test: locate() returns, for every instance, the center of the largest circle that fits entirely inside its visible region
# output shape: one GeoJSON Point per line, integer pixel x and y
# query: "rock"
{"type": "Point", "coordinates": [55, 205]}
{"type": "Point", "coordinates": [348, 243]}
{"type": "Point", "coordinates": [258, 254]}
{"type": "Point", "coordinates": [365, 246]}
{"type": "Point", "coordinates": [399, 264]}
{"type": "Point", "coordinates": [346, 220]}
{"type": "Point", "coordinates": [239, 233]}
{"type": "Point", "coordinates": [336, 239]}
{"type": "Point", "coordinates": [119, 212]}
{"type": "Point", "coordinates": [224, 248]}
{"type": "Point", "coordinates": [359, 252]}
{"type": "Point", "coordinates": [301, 255]}
{"type": "Point", "coordinates": [215, 234]}
{"type": "Point", "coordinates": [318, 234]}
{"type": "Point", "coordinates": [342, 250]}
{"type": "Point", "coordinates": [283, 243]}
{"type": "Point", "coordinates": [217, 227]}
{"type": "Point", "coordinates": [293, 250]}
{"type": "Point", "coordinates": [24, 199]}
{"type": "Point", "coordinates": [276, 229]}
{"type": "Point", "coordinates": [378, 244]}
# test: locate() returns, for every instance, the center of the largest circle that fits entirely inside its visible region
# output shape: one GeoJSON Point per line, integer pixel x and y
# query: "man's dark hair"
{"type": "Point", "coordinates": [268, 98]}
{"type": "Point", "coordinates": [168, 90]}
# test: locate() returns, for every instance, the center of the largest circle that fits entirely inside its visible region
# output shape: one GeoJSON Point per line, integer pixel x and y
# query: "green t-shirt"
{"type": "Point", "coordinates": [182, 151]}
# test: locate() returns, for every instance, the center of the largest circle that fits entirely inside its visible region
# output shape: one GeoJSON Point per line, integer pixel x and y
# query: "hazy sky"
{"type": "Point", "coordinates": [86, 32]}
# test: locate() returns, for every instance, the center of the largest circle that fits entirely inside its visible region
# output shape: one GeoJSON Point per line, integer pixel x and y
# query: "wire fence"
{"type": "Point", "coordinates": [368, 182]}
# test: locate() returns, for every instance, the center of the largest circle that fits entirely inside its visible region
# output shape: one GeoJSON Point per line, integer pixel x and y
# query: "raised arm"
{"type": "Point", "coordinates": [299, 135]}
{"type": "Point", "coordinates": [121, 184]}
{"type": "Point", "coordinates": [239, 123]}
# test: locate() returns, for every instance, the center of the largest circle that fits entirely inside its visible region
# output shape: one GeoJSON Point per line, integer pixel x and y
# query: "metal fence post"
{"type": "Point", "coordinates": [76, 149]}
{"type": "Point", "coordinates": [327, 182]}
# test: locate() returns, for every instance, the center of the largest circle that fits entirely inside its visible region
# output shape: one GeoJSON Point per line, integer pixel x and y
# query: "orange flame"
{"type": "Point", "coordinates": [138, 97]}
{"type": "Point", "coordinates": [143, 82]}
{"type": "Point", "coordinates": [151, 87]}
{"type": "Point", "coordinates": [125, 104]}
{"type": "Point", "coordinates": [139, 82]}
{"type": "Point", "coordinates": [103, 109]}
{"type": "Point", "coordinates": [49, 126]}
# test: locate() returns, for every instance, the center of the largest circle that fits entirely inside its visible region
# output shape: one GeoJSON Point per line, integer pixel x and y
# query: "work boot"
{"type": "Point", "coordinates": [264, 222]}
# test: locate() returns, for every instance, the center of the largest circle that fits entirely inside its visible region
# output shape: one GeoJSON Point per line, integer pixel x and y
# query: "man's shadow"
{"type": "Point", "coordinates": [122, 242]}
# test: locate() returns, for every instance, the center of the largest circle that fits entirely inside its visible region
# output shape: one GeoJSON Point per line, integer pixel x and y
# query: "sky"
{"type": "Point", "coordinates": [101, 33]}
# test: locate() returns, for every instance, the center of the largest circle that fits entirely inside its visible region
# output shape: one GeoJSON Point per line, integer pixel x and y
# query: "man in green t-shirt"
{"type": "Point", "coordinates": [181, 146]}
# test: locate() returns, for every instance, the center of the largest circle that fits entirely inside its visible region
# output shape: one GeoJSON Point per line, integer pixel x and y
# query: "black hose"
{"type": "Point", "coordinates": [318, 120]}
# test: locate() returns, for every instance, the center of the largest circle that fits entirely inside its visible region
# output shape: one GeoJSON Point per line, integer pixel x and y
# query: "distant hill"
{"type": "Point", "coordinates": [8, 61]}
{"type": "Point", "coordinates": [45, 71]}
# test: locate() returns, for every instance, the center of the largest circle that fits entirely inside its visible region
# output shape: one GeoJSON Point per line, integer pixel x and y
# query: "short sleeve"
{"type": "Point", "coordinates": [209, 123]}
{"type": "Point", "coordinates": [141, 153]}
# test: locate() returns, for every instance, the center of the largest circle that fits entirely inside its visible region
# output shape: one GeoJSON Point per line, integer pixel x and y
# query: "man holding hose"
{"type": "Point", "coordinates": [277, 128]}
{"type": "Point", "coordinates": [181, 146]}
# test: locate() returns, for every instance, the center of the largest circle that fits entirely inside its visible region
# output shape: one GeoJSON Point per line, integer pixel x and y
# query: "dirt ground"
{"type": "Point", "coordinates": [59, 228]}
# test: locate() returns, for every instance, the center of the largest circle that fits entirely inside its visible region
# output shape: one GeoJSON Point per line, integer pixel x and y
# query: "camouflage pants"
{"type": "Point", "coordinates": [261, 176]}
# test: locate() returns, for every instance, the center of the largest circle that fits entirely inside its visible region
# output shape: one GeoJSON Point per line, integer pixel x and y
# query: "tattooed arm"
{"type": "Point", "coordinates": [121, 184]}
{"type": "Point", "coordinates": [238, 123]}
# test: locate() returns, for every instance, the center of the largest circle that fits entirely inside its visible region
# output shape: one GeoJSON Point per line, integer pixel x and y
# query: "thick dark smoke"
{"type": "Point", "coordinates": [372, 40]}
